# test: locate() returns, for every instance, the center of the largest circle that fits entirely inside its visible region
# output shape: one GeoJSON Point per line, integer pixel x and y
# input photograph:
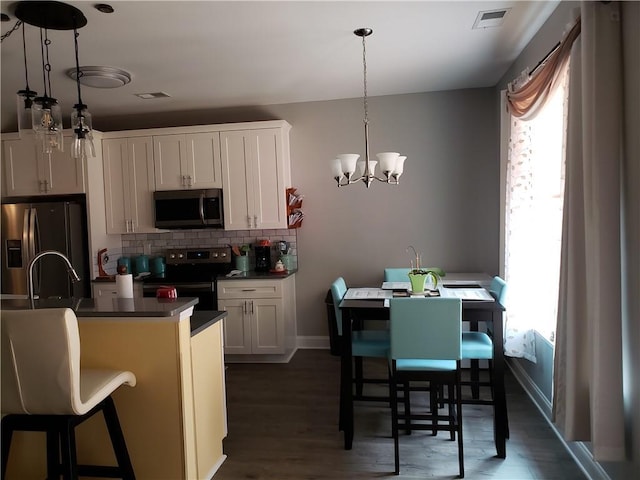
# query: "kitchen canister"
{"type": "Point", "coordinates": [288, 262]}
{"type": "Point", "coordinates": [242, 263]}
{"type": "Point", "coordinates": [156, 265]}
{"type": "Point", "coordinates": [141, 263]}
{"type": "Point", "coordinates": [126, 262]}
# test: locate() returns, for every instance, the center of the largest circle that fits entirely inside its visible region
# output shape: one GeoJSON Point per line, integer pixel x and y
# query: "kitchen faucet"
{"type": "Point", "coordinates": [70, 270]}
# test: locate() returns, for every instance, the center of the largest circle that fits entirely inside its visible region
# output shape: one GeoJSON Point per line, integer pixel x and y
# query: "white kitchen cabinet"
{"type": "Point", "coordinates": [108, 290]}
{"type": "Point", "coordinates": [29, 171]}
{"type": "Point", "coordinates": [260, 316]}
{"type": "Point", "coordinates": [129, 184]}
{"type": "Point", "coordinates": [255, 174]}
{"type": "Point", "coordinates": [187, 161]}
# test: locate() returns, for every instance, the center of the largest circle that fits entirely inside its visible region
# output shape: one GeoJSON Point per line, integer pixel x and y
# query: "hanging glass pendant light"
{"type": "Point", "coordinates": [25, 97]}
{"type": "Point", "coordinates": [46, 114]}
{"type": "Point", "coordinates": [82, 145]}
{"type": "Point", "coordinates": [345, 168]}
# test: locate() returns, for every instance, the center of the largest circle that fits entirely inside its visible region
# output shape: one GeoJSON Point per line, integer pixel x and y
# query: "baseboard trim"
{"type": "Point", "coordinates": [311, 342]}
{"type": "Point", "coordinates": [578, 450]}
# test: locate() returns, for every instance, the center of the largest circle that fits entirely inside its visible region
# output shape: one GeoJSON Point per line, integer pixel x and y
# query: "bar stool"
{"type": "Point", "coordinates": [45, 390]}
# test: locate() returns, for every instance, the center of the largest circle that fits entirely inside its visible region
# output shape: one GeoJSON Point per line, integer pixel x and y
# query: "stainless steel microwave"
{"type": "Point", "coordinates": [188, 208]}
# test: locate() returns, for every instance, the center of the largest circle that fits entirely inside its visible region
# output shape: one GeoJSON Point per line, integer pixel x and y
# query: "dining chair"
{"type": "Point", "coordinates": [478, 346]}
{"type": "Point", "coordinates": [44, 389]}
{"type": "Point", "coordinates": [402, 274]}
{"type": "Point", "coordinates": [426, 346]}
{"type": "Point", "coordinates": [364, 343]}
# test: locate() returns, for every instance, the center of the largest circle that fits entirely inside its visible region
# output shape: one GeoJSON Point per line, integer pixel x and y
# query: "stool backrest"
{"type": "Point", "coordinates": [426, 328]}
{"type": "Point", "coordinates": [40, 361]}
{"type": "Point", "coordinates": [396, 274]}
{"type": "Point", "coordinates": [499, 288]}
{"type": "Point", "coordinates": [338, 289]}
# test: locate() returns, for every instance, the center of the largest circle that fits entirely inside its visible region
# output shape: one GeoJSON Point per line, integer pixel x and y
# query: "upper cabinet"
{"type": "Point", "coordinates": [29, 171]}
{"type": "Point", "coordinates": [129, 184]}
{"type": "Point", "coordinates": [187, 161]}
{"type": "Point", "coordinates": [255, 174]}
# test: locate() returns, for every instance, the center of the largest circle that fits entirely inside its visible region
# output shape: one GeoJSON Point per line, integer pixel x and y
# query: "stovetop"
{"type": "Point", "coordinates": [194, 265]}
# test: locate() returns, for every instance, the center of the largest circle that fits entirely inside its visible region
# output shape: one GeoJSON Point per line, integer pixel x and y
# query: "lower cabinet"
{"type": "Point", "coordinates": [260, 317]}
{"type": "Point", "coordinates": [108, 290]}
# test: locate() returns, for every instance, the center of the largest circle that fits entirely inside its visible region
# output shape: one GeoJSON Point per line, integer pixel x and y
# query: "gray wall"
{"type": "Point", "coordinates": [446, 204]}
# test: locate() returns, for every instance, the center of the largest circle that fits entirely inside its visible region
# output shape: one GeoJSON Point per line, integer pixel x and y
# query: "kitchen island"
{"type": "Point", "coordinates": [174, 419]}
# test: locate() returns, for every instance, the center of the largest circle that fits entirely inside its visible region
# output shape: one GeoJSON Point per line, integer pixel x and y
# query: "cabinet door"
{"type": "Point", "coordinates": [128, 184]}
{"type": "Point", "coordinates": [141, 184]}
{"type": "Point", "coordinates": [235, 153]}
{"type": "Point", "coordinates": [117, 197]}
{"type": "Point", "coordinates": [22, 160]}
{"type": "Point", "coordinates": [254, 179]}
{"type": "Point", "coordinates": [237, 326]}
{"type": "Point", "coordinates": [209, 398]}
{"type": "Point", "coordinates": [170, 160]}
{"type": "Point", "coordinates": [267, 325]}
{"type": "Point", "coordinates": [62, 173]}
{"type": "Point", "coordinates": [203, 165]}
{"type": "Point", "coordinates": [269, 203]}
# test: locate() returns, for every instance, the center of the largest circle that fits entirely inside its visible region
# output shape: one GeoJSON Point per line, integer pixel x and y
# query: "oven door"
{"type": "Point", "coordinates": [204, 291]}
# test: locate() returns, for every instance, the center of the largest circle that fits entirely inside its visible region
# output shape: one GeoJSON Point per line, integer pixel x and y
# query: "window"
{"type": "Point", "coordinates": [533, 222]}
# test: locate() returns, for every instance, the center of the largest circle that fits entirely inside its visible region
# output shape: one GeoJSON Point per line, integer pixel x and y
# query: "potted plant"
{"type": "Point", "coordinates": [418, 275]}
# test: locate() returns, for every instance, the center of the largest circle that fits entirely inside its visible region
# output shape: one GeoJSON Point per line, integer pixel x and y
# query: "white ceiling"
{"type": "Point", "coordinates": [214, 54]}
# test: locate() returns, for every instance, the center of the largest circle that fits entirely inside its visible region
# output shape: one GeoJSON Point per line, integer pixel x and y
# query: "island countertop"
{"type": "Point", "coordinates": [111, 307]}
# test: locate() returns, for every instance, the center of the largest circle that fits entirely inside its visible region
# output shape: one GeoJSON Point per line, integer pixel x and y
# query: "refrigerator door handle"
{"type": "Point", "coordinates": [26, 240]}
{"type": "Point", "coordinates": [34, 228]}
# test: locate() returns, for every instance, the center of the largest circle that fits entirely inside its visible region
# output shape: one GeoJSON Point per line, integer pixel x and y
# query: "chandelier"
{"type": "Point", "coordinates": [346, 168]}
{"type": "Point", "coordinates": [46, 115]}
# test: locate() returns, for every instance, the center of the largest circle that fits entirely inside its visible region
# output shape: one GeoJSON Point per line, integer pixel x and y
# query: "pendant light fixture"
{"type": "Point", "coordinates": [346, 168]}
{"type": "Point", "coordinates": [82, 145]}
{"type": "Point", "coordinates": [25, 97]}
{"type": "Point", "coordinates": [45, 110]}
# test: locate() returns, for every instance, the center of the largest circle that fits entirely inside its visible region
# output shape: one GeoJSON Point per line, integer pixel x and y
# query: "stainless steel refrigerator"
{"type": "Point", "coordinates": [45, 224]}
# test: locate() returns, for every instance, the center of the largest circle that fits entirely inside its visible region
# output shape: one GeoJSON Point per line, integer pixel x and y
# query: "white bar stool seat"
{"type": "Point", "coordinates": [44, 389]}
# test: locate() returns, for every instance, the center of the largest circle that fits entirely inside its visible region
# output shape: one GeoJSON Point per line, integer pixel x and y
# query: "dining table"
{"type": "Point", "coordinates": [474, 310]}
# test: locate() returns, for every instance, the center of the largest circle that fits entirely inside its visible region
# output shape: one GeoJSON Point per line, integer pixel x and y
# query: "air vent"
{"type": "Point", "coordinates": [491, 18]}
{"type": "Point", "coordinates": [152, 95]}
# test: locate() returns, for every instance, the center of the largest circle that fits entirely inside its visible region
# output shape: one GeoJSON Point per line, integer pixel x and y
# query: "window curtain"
{"type": "Point", "coordinates": [527, 95]}
{"type": "Point", "coordinates": [519, 337]}
{"type": "Point", "coordinates": [526, 98]}
{"type": "Point", "coordinates": [588, 384]}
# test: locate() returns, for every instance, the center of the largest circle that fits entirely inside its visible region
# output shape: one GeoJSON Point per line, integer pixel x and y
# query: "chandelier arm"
{"type": "Point", "coordinates": [78, 73]}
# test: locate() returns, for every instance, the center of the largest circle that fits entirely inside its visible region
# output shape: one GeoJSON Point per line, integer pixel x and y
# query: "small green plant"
{"type": "Point", "coordinates": [419, 274]}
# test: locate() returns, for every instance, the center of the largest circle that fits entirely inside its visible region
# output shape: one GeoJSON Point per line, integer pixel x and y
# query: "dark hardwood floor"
{"type": "Point", "coordinates": [283, 425]}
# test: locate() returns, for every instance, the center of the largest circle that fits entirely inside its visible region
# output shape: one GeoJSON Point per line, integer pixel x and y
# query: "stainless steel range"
{"type": "Point", "coordinates": [193, 273]}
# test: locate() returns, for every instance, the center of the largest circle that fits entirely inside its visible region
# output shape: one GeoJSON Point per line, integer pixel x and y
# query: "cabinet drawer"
{"type": "Point", "coordinates": [108, 290]}
{"type": "Point", "coordinates": [250, 289]}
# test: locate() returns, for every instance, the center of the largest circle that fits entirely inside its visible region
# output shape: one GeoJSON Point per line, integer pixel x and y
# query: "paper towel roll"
{"type": "Point", "coordinates": [124, 286]}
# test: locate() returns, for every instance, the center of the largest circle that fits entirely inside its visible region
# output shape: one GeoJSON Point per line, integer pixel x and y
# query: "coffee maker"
{"type": "Point", "coordinates": [262, 252]}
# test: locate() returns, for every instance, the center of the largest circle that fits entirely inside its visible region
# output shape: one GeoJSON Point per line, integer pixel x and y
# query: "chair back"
{"type": "Point", "coordinates": [40, 361]}
{"type": "Point", "coordinates": [396, 274]}
{"type": "Point", "coordinates": [426, 328]}
{"type": "Point", "coordinates": [499, 288]}
{"type": "Point", "coordinates": [338, 290]}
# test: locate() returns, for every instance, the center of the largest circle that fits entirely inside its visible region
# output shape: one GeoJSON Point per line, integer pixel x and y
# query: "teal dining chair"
{"type": "Point", "coordinates": [478, 346]}
{"type": "Point", "coordinates": [426, 346]}
{"type": "Point", "coordinates": [402, 274]}
{"type": "Point", "coordinates": [364, 343]}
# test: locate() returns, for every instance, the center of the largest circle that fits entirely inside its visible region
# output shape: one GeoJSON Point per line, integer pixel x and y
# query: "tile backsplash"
{"type": "Point", "coordinates": [156, 244]}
